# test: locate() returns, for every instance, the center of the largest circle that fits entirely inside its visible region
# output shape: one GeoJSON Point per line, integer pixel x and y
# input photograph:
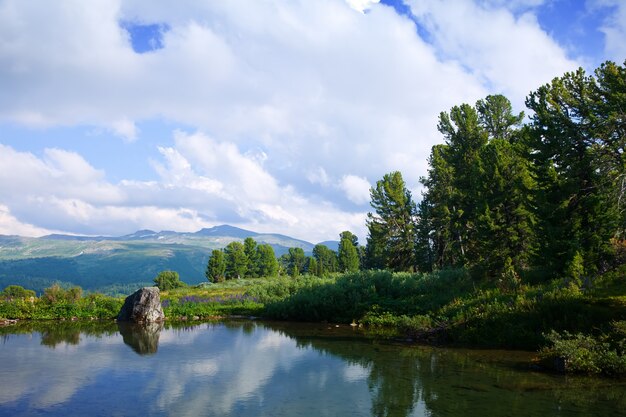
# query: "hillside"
{"type": "Point", "coordinates": [115, 264]}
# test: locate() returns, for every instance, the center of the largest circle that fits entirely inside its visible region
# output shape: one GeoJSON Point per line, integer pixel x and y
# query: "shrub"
{"type": "Point", "coordinates": [17, 291]}
{"type": "Point", "coordinates": [167, 280]}
{"type": "Point", "coordinates": [56, 293]}
{"type": "Point", "coordinates": [583, 354]}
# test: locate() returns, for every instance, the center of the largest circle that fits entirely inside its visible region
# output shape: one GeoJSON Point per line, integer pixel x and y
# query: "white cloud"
{"type": "Point", "coordinates": [511, 55]}
{"type": "Point", "coordinates": [63, 192]}
{"type": "Point", "coordinates": [362, 5]}
{"type": "Point", "coordinates": [299, 102]}
{"type": "Point", "coordinates": [614, 29]}
{"type": "Point", "coordinates": [356, 188]}
{"type": "Point", "coordinates": [125, 128]}
{"type": "Point", "coordinates": [9, 225]}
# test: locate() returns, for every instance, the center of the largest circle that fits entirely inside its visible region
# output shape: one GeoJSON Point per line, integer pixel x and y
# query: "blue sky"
{"type": "Point", "coordinates": [275, 116]}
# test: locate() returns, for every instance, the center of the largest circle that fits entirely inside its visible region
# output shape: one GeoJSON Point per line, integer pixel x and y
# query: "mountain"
{"type": "Point", "coordinates": [119, 264]}
{"type": "Point", "coordinates": [331, 244]}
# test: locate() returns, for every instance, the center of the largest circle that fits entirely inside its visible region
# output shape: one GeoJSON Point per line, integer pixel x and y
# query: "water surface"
{"type": "Point", "coordinates": [246, 368]}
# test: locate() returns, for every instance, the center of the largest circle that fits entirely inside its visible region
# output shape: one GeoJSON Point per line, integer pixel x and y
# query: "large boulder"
{"type": "Point", "coordinates": [143, 306]}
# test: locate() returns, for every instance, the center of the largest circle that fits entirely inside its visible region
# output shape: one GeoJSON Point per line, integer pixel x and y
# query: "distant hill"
{"type": "Point", "coordinates": [119, 264]}
{"type": "Point", "coordinates": [331, 244]}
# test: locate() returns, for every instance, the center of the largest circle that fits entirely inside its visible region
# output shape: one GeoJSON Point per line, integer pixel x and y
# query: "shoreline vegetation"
{"type": "Point", "coordinates": [518, 242]}
{"type": "Point", "coordinates": [571, 329]}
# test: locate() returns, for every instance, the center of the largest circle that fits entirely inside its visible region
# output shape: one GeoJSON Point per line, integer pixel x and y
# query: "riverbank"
{"type": "Point", "coordinates": [573, 329]}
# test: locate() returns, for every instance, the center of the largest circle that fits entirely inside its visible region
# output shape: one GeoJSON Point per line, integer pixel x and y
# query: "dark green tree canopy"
{"type": "Point", "coordinates": [326, 259]}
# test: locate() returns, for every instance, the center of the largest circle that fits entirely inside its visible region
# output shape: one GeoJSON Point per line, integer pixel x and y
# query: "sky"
{"type": "Point", "coordinates": [274, 116]}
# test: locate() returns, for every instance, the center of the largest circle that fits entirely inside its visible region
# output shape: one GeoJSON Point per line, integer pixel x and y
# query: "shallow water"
{"type": "Point", "coordinates": [247, 368]}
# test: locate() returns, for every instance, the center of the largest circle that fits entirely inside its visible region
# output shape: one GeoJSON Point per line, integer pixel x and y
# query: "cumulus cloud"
{"type": "Point", "coordinates": [9, 225]}
{"type": "Point", "coordinates": [510, 54]}
{"type": "Point", "coordinates": [293, 105]}
{"type": "Point", "coordinates": [356, 188]}
{"type": "Point", "coordinates": [614, 29]}
{"type": "Point", "coordinates": [202, 182]}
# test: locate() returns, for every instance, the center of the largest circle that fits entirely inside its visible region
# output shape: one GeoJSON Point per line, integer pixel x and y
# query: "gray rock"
{"type": "Point", "coordinates": [143, 306]}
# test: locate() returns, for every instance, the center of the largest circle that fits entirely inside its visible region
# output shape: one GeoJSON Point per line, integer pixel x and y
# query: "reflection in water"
{"type": "Point", "coordinates": [261, 369]}
{"type": "Point", "coordinates": [142, 337]}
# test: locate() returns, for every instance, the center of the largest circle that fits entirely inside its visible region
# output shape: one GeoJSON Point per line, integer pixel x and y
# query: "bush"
{"type": "Point", "coordinates": [17, 291]}
{"type": "Point", "coordinates": [168, 280]}
{"type": "Point", "coordinates": [583, 354]}
{"type": "Point", "coordinates": [56, 293]}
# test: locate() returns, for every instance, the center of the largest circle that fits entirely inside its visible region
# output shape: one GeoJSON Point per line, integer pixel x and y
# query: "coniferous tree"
{"type": "Point", "coordinates": [312, 267]}
{"type": "Point", "coordinates": [236, 260]}
{"type": "Point", "coordinates": [476, 210]}
{"type": "Point", "coordinates": [391, 238]}
{"type": "Point", "coordinates": [296, 262]}
{"type": "Point", "coordinates": [267, 264]}
{"type": "Point", "coordinates": [216, 266]}
{"type": "Point", "coordinates": [578, 151]}
{"type": "Point", "coordinates": [326, 259]}
{"type": "Point", "coordinates": [347, 255]}
{"type": "Point", "coordinates": [250, 248]}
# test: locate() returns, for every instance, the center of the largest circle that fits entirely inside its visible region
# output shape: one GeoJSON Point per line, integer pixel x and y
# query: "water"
{"type": "Point", "coordinates": [262, 369]}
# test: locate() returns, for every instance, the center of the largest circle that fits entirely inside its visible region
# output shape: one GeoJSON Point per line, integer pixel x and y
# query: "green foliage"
{"type": "Point", "coordinates": [167, 280]}
{"type": "Point", "coordinates": [267, 263]}
{"type": "Point", "coordinates": [509, 279]}
{"type": "Point", "coordinates": [294, 262]}
{"type": "Point", "coordinates": [477, 208]}
{"type": "Point", "coordinates": [347, 256]}
{"type": "Point", "coordinates": [56, 293]}
{"type": "Point", "coordinates": [313, 267]}
{"type": "Point", "coordinates": [575, 271]}
{"type": "Point", "coordinates": [236, 260]}
{"type": "Point", "coordinates": [17, 291]}
{"type": "Point", "coordinates": [586, 354]}
{"type": "Point", "coordinates": [350, 296]}
{"type": "Point", "coordinates": [391, 237]}
{"type": "Point", "coordinates": [216, 267]}
{"type": "Point", "coordinates": [59, 303]}
{"type": "Point", "coordinates": [326, 260]}
{"type": "Point", "coordinates": [251, 251]}
{"type": "Point", "coordinates": [577, 147]}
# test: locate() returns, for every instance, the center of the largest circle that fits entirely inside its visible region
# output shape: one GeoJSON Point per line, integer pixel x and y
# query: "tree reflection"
{"type": "Point", "coordinates": [54, 333]}
{"type": "Point", "coordinates": [413, 380]}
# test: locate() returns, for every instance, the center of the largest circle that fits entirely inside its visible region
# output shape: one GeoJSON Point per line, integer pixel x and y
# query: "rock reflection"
{"type": "Point", "coordinates": [143, 338]}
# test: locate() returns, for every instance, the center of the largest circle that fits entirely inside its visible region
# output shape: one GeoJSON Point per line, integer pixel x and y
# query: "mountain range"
{"type": "Point", "coordinates": [117, 265]}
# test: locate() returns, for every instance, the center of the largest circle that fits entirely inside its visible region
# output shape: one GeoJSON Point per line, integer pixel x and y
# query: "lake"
{"type": "Point", "coordinates": [250, 368]}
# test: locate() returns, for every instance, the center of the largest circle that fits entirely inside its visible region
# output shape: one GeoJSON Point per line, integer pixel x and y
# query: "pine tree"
{"type": "Point", "coordinates": [347, 256]}
{"type": "Point", "coordinates": [578, 150]}
{"type": "Point", "coordinates": [236, 260]}
{"type": "Point", "coordinates": [250, 248]}
{"type": "Point", "coordinates": [391, 237]}
{"type": "Point", "coordinates": [216, 266]}
{"type": "Point", "coordinates": [267, 264]}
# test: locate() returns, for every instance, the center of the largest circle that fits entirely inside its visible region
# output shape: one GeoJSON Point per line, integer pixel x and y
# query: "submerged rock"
{"type": "Point", "coordinates": [143, 306]}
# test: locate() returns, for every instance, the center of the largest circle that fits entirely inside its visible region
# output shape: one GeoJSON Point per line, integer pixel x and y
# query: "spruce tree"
{"type": "Point", "coordinates": [391, 238]}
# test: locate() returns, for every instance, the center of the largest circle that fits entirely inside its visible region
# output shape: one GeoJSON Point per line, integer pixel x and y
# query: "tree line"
{"type": "Point", "coordinates": [248, 259]}
{"type": "Point", "coordinates": [502, 196]}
